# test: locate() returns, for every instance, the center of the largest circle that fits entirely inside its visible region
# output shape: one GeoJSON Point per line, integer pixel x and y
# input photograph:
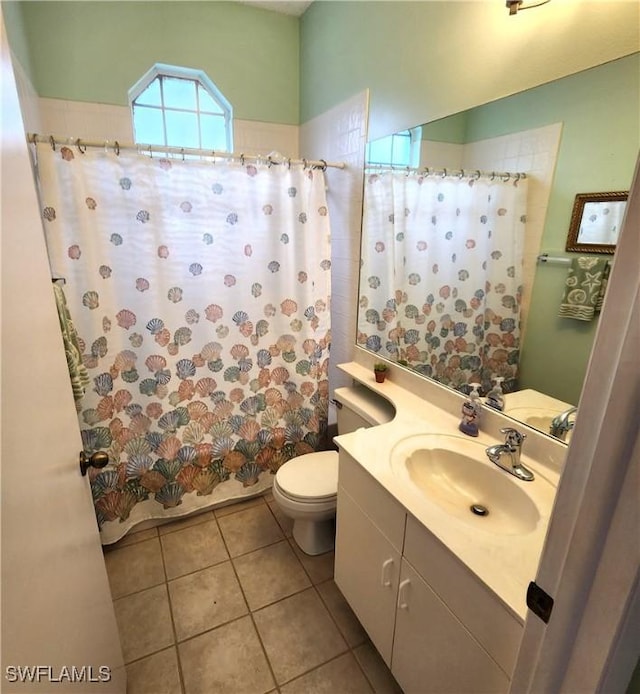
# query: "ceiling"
{"type": "Point", "coordinates": [292, 7]}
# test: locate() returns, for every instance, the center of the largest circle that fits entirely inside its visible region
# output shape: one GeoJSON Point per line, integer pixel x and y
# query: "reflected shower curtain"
{"type": "Point", "coordinates": [441, 282]}
{"type": "Point", "coordinates": [200, 292]}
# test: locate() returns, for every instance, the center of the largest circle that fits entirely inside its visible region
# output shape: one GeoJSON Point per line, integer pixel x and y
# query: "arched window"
{"type": "Point", "coordinates": [180, 107]}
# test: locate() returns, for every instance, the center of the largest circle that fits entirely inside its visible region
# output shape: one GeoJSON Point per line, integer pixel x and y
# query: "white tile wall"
{"type": "Point", "coordinates": [535, 152]}
{"type": "Point", "coordinates": [90, 121]}
{"type": "Point", "coordinates": [340, 134]}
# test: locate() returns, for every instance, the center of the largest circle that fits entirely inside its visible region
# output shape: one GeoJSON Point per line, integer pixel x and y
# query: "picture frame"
{"type": "Point", "coordinates": [596, 220]}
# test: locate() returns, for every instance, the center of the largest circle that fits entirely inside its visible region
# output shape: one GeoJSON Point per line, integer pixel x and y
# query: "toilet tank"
{"type": "Point", "coordinates": [360, 407]}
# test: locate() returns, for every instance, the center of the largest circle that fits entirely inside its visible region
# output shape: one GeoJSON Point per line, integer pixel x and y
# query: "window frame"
{"type": "Point", "coordinates": [160, 70]}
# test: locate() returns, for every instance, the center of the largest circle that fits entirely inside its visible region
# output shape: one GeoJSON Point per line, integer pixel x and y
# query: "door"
{"type": "Point", "coordinates": [57, 615]}
{"type": "Point", "coordinates": [433, 651]}
{"type": "Point", "coordinates": [367, 567]}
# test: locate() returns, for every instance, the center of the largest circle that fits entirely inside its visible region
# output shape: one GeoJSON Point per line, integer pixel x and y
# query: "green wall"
{"type": "Point", "coordinates": [422, 61]}
{"type": "Point", "coordinates": [95, 51]}
{"type": "Point", "coordinates": [600, 112]}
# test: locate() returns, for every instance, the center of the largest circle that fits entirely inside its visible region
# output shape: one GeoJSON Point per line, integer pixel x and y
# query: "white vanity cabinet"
{"type": "Point", "coordinates": [434, 624]}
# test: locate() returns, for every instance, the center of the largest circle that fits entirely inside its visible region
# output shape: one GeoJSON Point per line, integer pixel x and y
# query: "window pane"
{"type": "Point", "coordinates": [147, 124]}
{"type": "Point", "coordinates": [380, 150]}
{"type": "Point", "coordinates": [182, 129]}
{"type": "Point", "coordinates": [207, 102]}
{"type": "Point", "coordinates": [401, 150]}
{"type": "Point", "coordinates": [179, 93]}
{"type": "Point", "coordinates": [214, 132]}
{"type": "Point", "coordinates": [151, 95]}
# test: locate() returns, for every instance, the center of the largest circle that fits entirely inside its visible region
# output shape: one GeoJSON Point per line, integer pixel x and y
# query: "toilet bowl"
{"type": "Point", "coordinates": [306, 488]}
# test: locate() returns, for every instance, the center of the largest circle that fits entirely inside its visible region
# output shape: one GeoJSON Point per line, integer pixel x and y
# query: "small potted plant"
{"type": "Point", "coordinates": [380, 371]}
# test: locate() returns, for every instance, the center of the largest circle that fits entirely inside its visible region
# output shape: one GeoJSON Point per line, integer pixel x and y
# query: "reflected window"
{"type": "Point", "coordinates": [179, 107]}
{"type": "Point", "coordinates": [399, 149]}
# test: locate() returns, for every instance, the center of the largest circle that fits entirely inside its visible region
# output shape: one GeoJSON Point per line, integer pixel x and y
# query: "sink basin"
{"type": "Point", "coordinates": [455, 474]}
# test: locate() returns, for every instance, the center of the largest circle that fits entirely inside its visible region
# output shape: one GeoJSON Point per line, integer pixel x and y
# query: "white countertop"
{"type": "Point", "coordinates": [504, 563]}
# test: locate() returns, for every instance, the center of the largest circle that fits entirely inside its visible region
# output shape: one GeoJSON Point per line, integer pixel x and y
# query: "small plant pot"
{"type": "Point", "coordinates": [380, 376]}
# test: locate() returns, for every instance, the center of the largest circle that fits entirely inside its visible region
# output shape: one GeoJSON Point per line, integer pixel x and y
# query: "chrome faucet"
{"type": "Point", "coordinates": [507, 455]}
{"type": "Point", "coordinates": [560, 424]}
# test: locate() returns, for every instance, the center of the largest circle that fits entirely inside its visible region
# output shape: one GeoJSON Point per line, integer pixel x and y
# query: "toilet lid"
{"type": "Point", "coordinates": [310, 476]}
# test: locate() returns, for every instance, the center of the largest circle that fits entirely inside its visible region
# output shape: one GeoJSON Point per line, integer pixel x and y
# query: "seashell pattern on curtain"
{"type": "Point", "coordinates": [441, 278]}
{"type": "Point", "coordinates": [200, 293]}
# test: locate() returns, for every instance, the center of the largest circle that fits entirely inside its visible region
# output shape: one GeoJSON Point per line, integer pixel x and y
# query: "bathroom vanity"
{"type": "Point", "coordinates": [440, 591]}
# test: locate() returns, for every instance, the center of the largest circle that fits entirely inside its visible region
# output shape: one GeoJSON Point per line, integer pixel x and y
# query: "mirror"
{"type": "Point", "coordinates": [563, 137]}
{"type": "Point", "coordinates": [595, 222]}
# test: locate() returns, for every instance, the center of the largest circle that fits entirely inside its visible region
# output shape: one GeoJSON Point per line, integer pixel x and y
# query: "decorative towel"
{"type": "Point", "coordinates": [77, 370]}
{"type": "Point", "coordinates": [584, 288]}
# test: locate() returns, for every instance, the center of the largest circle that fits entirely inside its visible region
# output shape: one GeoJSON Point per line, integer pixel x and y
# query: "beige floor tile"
{"type": "Point", "coordinates": [187, 522]}
{"type": "Point", "coordinates": [298, 634]}
{"type": "Point", "coordinates": [376, 670]}
{"type": "Point", "coordinates": [205, 599]}
{"type": "Point", "coordinates": [132, 537]}
{"type": "Point", "coordinates": [319, 568]}
{"type": "Point", "coordinates": [340, 675]}
{"type": "Point", "coordinates": [192, 548]}
{"type": "Point", "coordinates": [250, 529]}
{"type": "Point", "coordinates": [269, 574]}
{"type": "Point", "coordinates": [343, 615]}
{"type": "Point", "coordinates": [228, 660]}
{"type": "Point", "coordinates": [134, 567]}
{"type": "Point", "coordinates": [144, 622]}
{"type": "Point", "coordinates": [156, 674]}
{"type": "Point", "coordinates": [238, 506]}
{"type": "Point", "coordinates": [284, 522]}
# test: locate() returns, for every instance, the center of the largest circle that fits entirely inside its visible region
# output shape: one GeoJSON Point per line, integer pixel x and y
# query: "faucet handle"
{"type": "Point", "coordinates": [513, 437]}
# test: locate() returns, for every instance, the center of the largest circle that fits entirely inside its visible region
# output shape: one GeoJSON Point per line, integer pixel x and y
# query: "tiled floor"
{"type": "Point", "coordinates": [225, 602]}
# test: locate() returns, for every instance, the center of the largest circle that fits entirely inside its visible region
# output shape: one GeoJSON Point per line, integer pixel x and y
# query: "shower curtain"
{"type": "Point", "coordinates": [200, 293]}
{"type": "Point", "coordinates": [441, 283]}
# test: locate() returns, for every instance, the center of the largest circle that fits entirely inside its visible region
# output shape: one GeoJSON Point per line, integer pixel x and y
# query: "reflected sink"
{"type": "Point", "coordinates": [455, 474]}
{"type": "Point", "coordinates": [539, 418]}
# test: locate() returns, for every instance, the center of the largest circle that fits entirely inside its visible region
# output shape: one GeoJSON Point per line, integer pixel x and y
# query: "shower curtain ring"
{"type": "Point", "coordinates": [150, 152]}
{"type": "Point", "coordinates": [81, 148]}
{"type": "Point", "coordinates": [444, 173]}
{"type": "Point", "coordinates": [34, 138]}
{"type": "Point", "coordinates": [269, 162]}
{"type": "Point", "coordinates": [493, 175]}
{"type": "Point", "coordinates": [242, 159]}
{"type": "Point", "coordinates": [289, 164]}
{"type": "Point", "coordinates": [324, 165]}
{"type": "Point", "coordinates": [461, 174]}
{"type": "Point", "coordinates": [304, 164]}
{"type": "Point", "coordinates": [116, 148]}
{"type": "Point", "coordinates": [477, 174]}
{"type": "Point", "coordinates": [182, 152]}
{"type": "Point", "coordinates": [52, 142]}
{"type": "Point", "coordinates": [506, 177]}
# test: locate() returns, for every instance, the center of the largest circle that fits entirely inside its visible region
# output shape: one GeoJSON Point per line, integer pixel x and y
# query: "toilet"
{"type": "Point", "coordinates": [305, 488]}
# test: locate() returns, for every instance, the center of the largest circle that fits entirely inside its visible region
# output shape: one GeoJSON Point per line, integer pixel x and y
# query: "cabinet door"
{"type": "Point", "coordinates": [432, 650]}
{"type": "Point", "coordinates": [366, 570]}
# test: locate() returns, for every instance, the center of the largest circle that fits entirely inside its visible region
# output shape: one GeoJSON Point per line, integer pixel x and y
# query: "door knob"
{"type": "Point", "coordinates": [97, 459]}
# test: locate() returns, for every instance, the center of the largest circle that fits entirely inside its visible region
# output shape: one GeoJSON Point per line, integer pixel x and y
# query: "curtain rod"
{"type": "Point", "coordinates": [276, 159]}
{"type": "Point", "coordinates": [443, 173]}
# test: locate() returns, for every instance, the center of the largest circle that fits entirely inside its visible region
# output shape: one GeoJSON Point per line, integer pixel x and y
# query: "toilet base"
{"type": "Point", "coordinates": [315, 537]}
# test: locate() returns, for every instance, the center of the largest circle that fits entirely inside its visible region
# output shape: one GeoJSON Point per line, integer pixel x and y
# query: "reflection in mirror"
{"type": "Point", "coordinates": [595, 222]}
{"type": "Point", "coordinates": [447, 279]}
